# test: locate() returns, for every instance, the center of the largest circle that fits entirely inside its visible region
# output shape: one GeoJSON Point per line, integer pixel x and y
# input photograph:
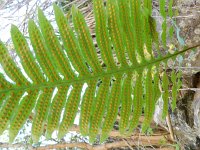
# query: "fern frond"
{"type": "Point", "coordinates": [70, 43]}
{"type": "Point", "coordinates": [55, 110]}
{"type": "Point", "coordinates": [151, 96]}
{"type": "Point", "coordinates": [85, 40]}
{"type": "Point", "coordinates": [10, 68]}
{"type": "Point", "coordinates": [71, 107]}
{"type": "Point", "coordinates": [21, 114]}
{"type": "Point", "coordinates": [154, 34]}
{"type": "Point", "coordinates": [147, 34]}
{"type": "Point", "coordinates": [137, 26]}
{"type": "Point", "coordinates": [176, 81]}
{"type": "Point", "coordinates": [147, 29]}
{"type": "Point", "coordinates": [126, 104]}
{"type": "Point", "coordinates": [149, 102]}
{"type": "Point", "coordinates": [125, 18]}
{"type": "Point", "coordinates": [41, 112]}
{"type": "Point", "coordinates": [116, 32]}
{"type": "Point", "coordinates": [164, 32]}
{"type": "Point", "coordinates": [99, 108]}
{"type": "Point", "coordinates": [7, 109]}
{"type": "Point", "coordinates": [170, 11]}
{"type": "Point", "coordinates": [3, 97]}
{"type": "Point", "coordinates": [42, 53]}
{"type": "Point", "coordinates": [54, 47]}
{"type": "Point", "coordinates": [27, 59]}
{"type": "Point", "coordinates": [156, 87]}
{"type": "Point", "coordinates": [165, 95]}
{"type": "Point", "coordinates": [102, 35]}
{"type": "Point", "coordinates": [112, 108]}
{"type": "Point", "coordinates": [86, 108]}
{"type": "Point", "coordinates": [138, 101]}
{"type": "Point", "coordinates": [124, 28]}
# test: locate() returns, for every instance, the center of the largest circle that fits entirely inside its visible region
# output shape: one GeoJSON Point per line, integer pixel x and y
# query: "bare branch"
{"type": "Point", "coordinates": [145, 141]}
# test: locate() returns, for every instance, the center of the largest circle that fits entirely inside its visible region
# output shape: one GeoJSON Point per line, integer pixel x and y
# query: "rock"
{"type": "Point", "coordinates": [197, 31]}
{"type": "Point", "coordinates": [196, 102]}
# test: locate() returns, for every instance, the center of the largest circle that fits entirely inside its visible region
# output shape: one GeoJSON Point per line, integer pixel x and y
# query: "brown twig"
{"type": "Point", "coordinates": [145, 141]}
{"type": "Point", "coordinates": [168, 120]}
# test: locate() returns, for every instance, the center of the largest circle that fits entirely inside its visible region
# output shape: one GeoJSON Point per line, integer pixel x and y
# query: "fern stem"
{"type": "Point", "coordinates": [100, 75]}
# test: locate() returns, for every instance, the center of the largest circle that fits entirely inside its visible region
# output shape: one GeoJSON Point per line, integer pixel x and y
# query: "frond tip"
{"type": "Point", "coordinates": [129, 83]}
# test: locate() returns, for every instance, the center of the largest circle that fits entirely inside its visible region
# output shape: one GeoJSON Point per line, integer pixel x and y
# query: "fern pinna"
{"type": "Point", "coordinates": [130, 81]}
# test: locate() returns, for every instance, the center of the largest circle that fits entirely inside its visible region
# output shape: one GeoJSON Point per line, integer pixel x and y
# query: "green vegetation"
{"type": "Point", "coordinates": [131, 79]}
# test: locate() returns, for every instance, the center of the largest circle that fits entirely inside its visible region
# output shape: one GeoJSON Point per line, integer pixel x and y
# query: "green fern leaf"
{"type": "Point", "coordinates": [86, 108]}
{"type": "Point", "coordinates": [98, 109]}
{"type": "Point", "coordinates": [70, 110]}
{"type": "Point", "coordinates": [156, 88]}
{"type": "Point", "coordinates": [116, 32]}
{"type": "Point", "coordinates": [21, 114]}
{"type": "Point", "coordinates": [54, 47]}
{"type": "Point", "coordinates": [41, 51]}
{"type": "Point", "coordinates": [55, 110]}
{"type": "Point", "coordinates": [147, 28]}
{"type": "Point", "coordinates": [41, 112]}
{"type": "Point", "coordinates": [176, 81]}
{"type": "Point", "coordinates": [126, 104]}
{"type": "Point", "coordinates": [149, 102]}
{"type": "Point", "coordinates": [135, 6]}
{"type": "Point", "coordinates": [7, 109]}
{"type": "Point", "coordinates": [102, 34]}
{"type": "Point", "coordinates": [4, 84]}
{"type": "Point", "coordinates": [112, 108]}
{"type": "Point", "coordinates": [25, 55]}
{"type": "Point", "coordinates": [70, 43]}
{"type": "Point", "coordinates": [164, 32]}
{"type": "Point", "coordinates": [137, 102]}
{"type": "Point", "coordinates": [170, 8]}
{"type": "Point", "coordinates": [85, 40]}
{"type": "Point", "coordinates": [170, 11]}
{"type": "Point", "coordinates": [10, 68]}
{"type": "Point", "coordinates": [54, 62]}
{"type": "Point", "coordinates": [154, 33]}
{"type": "Point", "coordinates": [3, 97]}
{"type": "Point", "coordinates": [165, 96]}
{"type": "Point", "coordinates": [125, 18]}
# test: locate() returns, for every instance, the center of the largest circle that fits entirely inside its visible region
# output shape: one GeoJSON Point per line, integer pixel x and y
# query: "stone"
{"type": "Point", "coordinates": [197, 31]}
